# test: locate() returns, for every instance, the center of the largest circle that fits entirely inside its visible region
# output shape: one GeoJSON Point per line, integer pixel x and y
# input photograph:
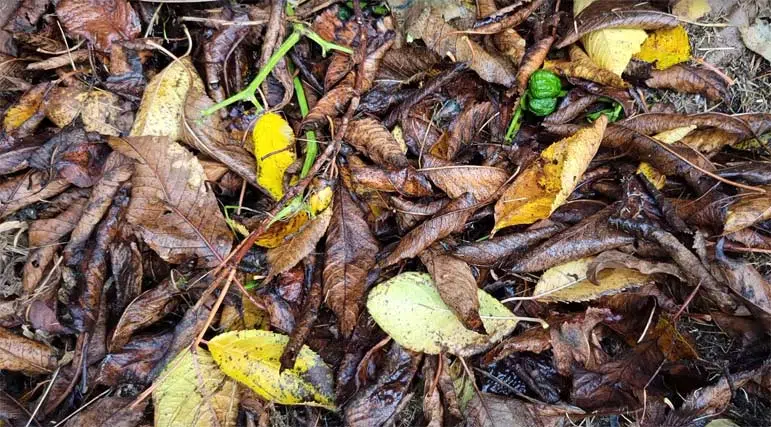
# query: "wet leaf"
{"type": "Point", "coordinates": [111, 411]}
{"type": "Point", "coordinates": [581, 66]}
{"type": "Point", "coordinates": [490, 410]}
{"type": "Point", "coordinates": [746, 211]}
{"type": "Point", "coordinates": [286, 256]}
{"type": "Point", "coordinates": [744, 280]}
{"type": "Point", "coordinates": [499, 248]}
{"type": "Point", "coordinates": [372, 138]}
{"type": "Point", "coordinates": [162, 107]}
{"type": "Point", "coordinates": [20, 354]}
{"type": "Point", "coordinates": [101, 22]}
{"type": "Point", "coordinates": [688, 79]}
{"type": "Point", "coordinates": [133, 362]}
{"type": "Point", "coordinates": [252, 358]}
{"type": "Point", "coordinates": [405, 181]}
{"type": "Point", "coordinates": [190, 224]}
{"type": "Point", "coordinates": [22, 190]}
{"type": "Point", "coordinates": [146, 309]}
{"type": "Point", "coordinates": [666, 47]}
{"type": "Point", "coordinates": [24, 116]}
{"type": "Point", "coordinates": [546, 184]}
{"type": "Point", "coordinates": [456, 285]}
{"type": "Point", "coordinates": [408, 307]}
{"type": "Point", "coordinates": [481, 181]}
{"type": "Point", "coordinates": [192, 391]}
{"type": "Point", "coordinates": [274, 150]}
{"type": "Point", "coordinates": [351, 250]}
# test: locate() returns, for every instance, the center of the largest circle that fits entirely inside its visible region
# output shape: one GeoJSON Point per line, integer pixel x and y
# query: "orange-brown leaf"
{"type": "Point", "coordinates": [373, 139]}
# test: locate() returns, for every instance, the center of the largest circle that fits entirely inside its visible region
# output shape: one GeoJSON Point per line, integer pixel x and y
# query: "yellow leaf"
{"type": "Point", "coordinates": [611, 48]}
{"type": "Point", "coordinates": [280, 231]}
{"type": "Point", "coordinates": [673, 135]}
{"type": "Point", "coordinates": [252, 358]}
{"type": "Point", "coordinates": [28, 106]}
{"type": "Point", "coordinates": [163, 103]}
{"type": "Point", "coordinates": [691, 9]}
{"type": "Point", "coordinates": [581, 66]}
{"type": "Point", "coordinates": [568, 282]}
{"type": "Point", "coordinates": [746, 211]}
{"type": "Point", "coordinates": [274, 150]}
{"type": "Point", "coordinates": [409, 309]}
{"type": "Point", "coordinates": [193, 392]}
{"type": "Point", "coordinates": [548, 181]}
{"type": "Point", "coordinates": [666, 47]}
{"type": "Point", "coordinates": [653, 175]}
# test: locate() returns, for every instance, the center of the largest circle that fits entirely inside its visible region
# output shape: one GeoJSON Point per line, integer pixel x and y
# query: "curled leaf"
{"type": "Point", "coordinates": [582, 66]}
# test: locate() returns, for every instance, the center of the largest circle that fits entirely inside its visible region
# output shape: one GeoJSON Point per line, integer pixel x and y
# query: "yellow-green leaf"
{"type": "Point", "coordinates": [666, 47]}
{"type": "Point", "coordinates": [611, 48]}
{"type": "Point", "coordinates": [252, 358]}
{"type": "Point", "coordinates": [568, 282]}
{"type": "Point", "coordinates": [193, 392]}
{"type": "Point", "coordinates": [408, 307]}
{"type": "Point", "coordinates": [545, 185]}
{"type": "Point", "coordinates": [274, 149]}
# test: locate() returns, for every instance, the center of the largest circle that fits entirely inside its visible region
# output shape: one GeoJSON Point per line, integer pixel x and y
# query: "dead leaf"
{"type": "Point", "coordinates": [75, 155]}
{"type": "Point", "coordinates": [688, 79]}
{"type": "Point", "coordinates": [747, 210]}
{"type": "Point", "coordinates": [456, 285]}
{"type": "Point", "coordinates": [570, 282]}
{"type": "Point", "coordinates": [372, 138]}
{"type": "Point", "coordinates": [133, 362]}
{"type": "Point", "coordinates": [22, 118]}
{"type": "Point", "coordinates": [286, 256]}
{"type": "Point", "coordinates": [535, 340]}
{"type": "Point", "coordinates": [101, 22]}
{"type": "Point", "coordinates": [744, 280]}
{"type": "Point", "coordinates": [190, 223]}
{"type": "Point", "coordinates": [490, 410]}
{"type": "Point", "coordinates": [496, 250]}
{"type": "Point", "coordinates": [146, 309]}
{"type": "Point", "coordinates": [406, 181]}
{"type": "Point", "coordinates": [757, 38]}
{"type": "Point", "coordinates": [23, 190]}
{"type": "Point", "coordinates": [481, 181]}
{"type": "Point", "coordinates": [110, 411]}
{"type": "Point", "coordinates": [691, 9]}
{"type": "Point", "coordinates": [573, 341]}
{"type": "Point", "coordinates": [581, 66]}
{"type": "Point", "coordinates": [351, 250]}
{"type": "Point", "coordinates": [546, 184]}
{"type": "Point", "coordinates": [19, 354]}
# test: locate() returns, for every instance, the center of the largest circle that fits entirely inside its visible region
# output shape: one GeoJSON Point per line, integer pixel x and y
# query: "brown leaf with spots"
{"type": "Point", "coordinates": [351, 250]}
{"type": "Point", "coordinates": [175, 212]}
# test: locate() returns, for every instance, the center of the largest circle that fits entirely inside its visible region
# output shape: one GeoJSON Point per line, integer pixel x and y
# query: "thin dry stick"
{"type": "Point", "coordinates": [214, 309]}
{"type": "Point", "coordinates": [42, 399]}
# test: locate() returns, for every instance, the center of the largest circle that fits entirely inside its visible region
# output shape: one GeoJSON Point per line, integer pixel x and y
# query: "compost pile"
{"type": "Point", "coordinates": [492, 213]}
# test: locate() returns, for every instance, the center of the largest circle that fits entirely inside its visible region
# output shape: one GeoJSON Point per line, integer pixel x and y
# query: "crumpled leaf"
{"type": "Point", "coordinates": [481, 181]}
{"type": "Point", "coordinates": [757, 38]}
{"type": "Point", "coordinates": [746, 282]}
{"type": "Point", "coordinates": [610, 48]}
{"type": "Point", "coordinates": [426, 23]}
{"type": "Point", "coordinates": [688, 79]}
{"type": "Point", "coordinates": [252, 358]}
{"type": "Point", "coordinates": [351, 250]}
{"type": "Point", "coordinates": [189, 224]}
{"type": "Point", "coordinates": [408, 307]}
{"type": "Point", "coordinates": [274, 150]}
{"type": "Point", "coordinates": [456, 286]}
{"type": "Point", "coordinates": [101, 111]}
{"type": "Point", "coordinates": [491, 410]}
{"type": "Point", "coordinates": [286, 256]}
{"type": "Point", "coordinates": [373, 139]}
{"type": "Point", "coordinates": [281, 231]}
{"type": "Point", "coordinates": [546, 184]}
{"type": "Point", "coordinates": [746, 211]}
{"type": "Point", "coordinates": [20, 354]}
{"type": "Point", "coordinates": [570, 282]}
{"type": "Point", "coordinates": [666, 47]}
{"type": "Point", "coordinates": [101, 22]}
{"type": "Point", "coordinates": [134, 361]}
{"type": "Point", "coordinates": [22, 190]}
{"type": "Point", "coordinates": [192, 391]}
{"type": "Point", "coordinates": [110, 411]}
{"type": "Point", "coordinates": [581, 66]}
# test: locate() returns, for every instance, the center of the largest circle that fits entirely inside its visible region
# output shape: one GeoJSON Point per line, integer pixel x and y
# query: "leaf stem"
{"type": "Point", "coordinates": [311, 145]}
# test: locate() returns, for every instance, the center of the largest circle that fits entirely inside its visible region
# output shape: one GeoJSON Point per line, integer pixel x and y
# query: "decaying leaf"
{"type": "Point", "coordinates": [747, 210]}
{"type": "Point", "coordinates": [544, 185]}
{"type": "Point", "coordinates": [110, 412]}
{"type": "Point", "coordinates": [499, 248]}
{"type": "Point", "coordinates": [688, 79]}
{"type": "Point", "coordinates": [408, 307]}
{"type": "Point", "coordinates": [252, 358]}
{"type": "Point", "coordinates": [570, 282]}
{"type": "Point", "coordinates": [351, 251]}
{"type": "Point", "coordinates": [491, 410]}
{"type": "Point", "coordinates": [481, 181]}
{"type": "Point", "coordinates": [20, 354]}
{"type": "Point", "coordinates": [286, 256]}
{"type": "Point", "coordinates": [581, 66]}
{"type": "Point", "coordinates": [456, 286]}
{"type": "Point", "coordinates": [101, 22]}
{"type": "Point", "coordinates": [666, 47]}
{"type": "Point", "coordinates": [192, 391]}
{"type": "Point", "coordinates": [274, 150]}
{"type": "Point", "coordinates": [373, 139]}
{"type": "Point", "coordinates": [27, 113]}
{"type": "Point", "coordinates": [174, 210]}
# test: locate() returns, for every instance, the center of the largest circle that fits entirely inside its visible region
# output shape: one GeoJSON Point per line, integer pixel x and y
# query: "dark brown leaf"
{"type": "Point", "coordinates": [688, 79]}
{"type": "Point", "coordinates": [23, 190]}
{"type": "Point", "coordinates": [572, 341]}
{"type": "Point", "coordinates": [171, 205]}
{"type": "Point", "coordinates": [134, 361]}
{"type": "Point", "coordinates": [26, 16]}
{"type": "Point", "coordinates": [76, 156]}
{"type": "Point", "coordinates": [617, 14]}
{"type": "Point", "coordinates": [351, 251]}
{"type": "Point", "coordinates": [145, 310]}
{"type": "Point", "coordinates": [372, 138]}
{"type": "Point", "coordinates": [493, 251]}
{"type": "Point", "coordinates": [452, 218]}
{"type": "Point", "coordinates": [286, 256]}
{"type": "Point", "coordinates": [407, 181]}
{"type": "Point", "coordinates": [456, 285]}
{"type": "Point", "coordinates": [19, 354]}
{"type": "Point", "coordinates": [747, 283]}
{"type": "Point", "coordinates": [481, 181]}
{"type": "Point", "coordinates": [493, 410]}
{"type": "Point", "coordinates": [534, 340]}
{"type": "Point", "coordinates": [409, 213]}
{"type": "Point", "coordinates": [110, 412]}
{"type": "Point", "coordinates": [101, 22]}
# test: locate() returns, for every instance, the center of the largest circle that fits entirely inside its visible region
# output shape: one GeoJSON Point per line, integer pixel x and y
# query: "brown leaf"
{"type": "Point", "coordinates": [409, 213]}
{"type": "Point", "coordinates": [111, 411]}
{"type": "Point", "coordinates": [134, 361]}
{"type": "Point", "coordinates": [433, 410]}
{"type": "Point", "coordinates": [17, 159]}
{"type": "Point", "coordinates": [146, 309]}
{"type": "Point", "coordinates": [533, 60]}
{"type": "Point", "coordinates": [367, 407]}
{"type": "Point", "coordinates": [572, 341]}
{"type": "Point", "coordinates": [688, 79]}
{"type": "Point", "coordinates": [746, 282]}
{"type": "Point", "coordinates": [406, 181]}
{"type": "Point", "coordinates": [495, 250]}
{"type": "Point", "coordinates": [456, 285]}
{"type": "Point", "coordinates": [26, 16]}
{"type": "Point", "coordinates": [351, 250]}
{"type": "Point", "coordinates": [581, 66]}
{"type": "Point", "coordinates": [22, 118]}
{"type": "Point", "coordinates": [19, 354]}
{"type": "Point", "coordinates": [452, 218]}
{"type": "Point", "coordinates": [491, 410]}
{"type": "Point", "coordinates": [428, 24]}
{"type": "Point", "coordinates": [481, 181]}
{"type": "Point", "coordinates": [101, 22]}
{"type": "Point", "coordinates": [571, 106]}
{"type": "Point", "coordinates": [126, 267]}
{"type": "Point", "coordinates": [747, 210]}
{"type": "Point", "coordinates": [190, 223]}
{"type": "Point", "coordinates": [534, 340]}
{"type": "Point", "coordinates": [286, 256]}
{"type": "Point", "coordinates": [373, 139]}
{"type": "Point", "coordinates": [463, 130]}
{"type": "Point", "coordinates": [22, 190]}
{"type": "Point", "coordinates": [589, 237]}
{"type": "Point", "coordinates": [616, 14]}
{"type": "Point", "coordinates": [74, 155]}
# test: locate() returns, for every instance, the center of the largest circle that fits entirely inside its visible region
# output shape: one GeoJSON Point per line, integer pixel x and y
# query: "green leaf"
{"type": "Point", "coordinates": [409, 309]}
{"type": "Point", "coordinates": [192, 391]}
{"type": "Point", "coordinates": [252, 358]}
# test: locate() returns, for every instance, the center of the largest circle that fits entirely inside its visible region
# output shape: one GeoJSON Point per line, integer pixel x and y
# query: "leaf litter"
{"type": "Point", "coordinates": [410, 213]}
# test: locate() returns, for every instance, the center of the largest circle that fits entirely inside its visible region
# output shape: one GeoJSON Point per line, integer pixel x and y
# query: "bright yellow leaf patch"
{"type": "Point", "coordinates": [549, 180]}
{"type": "Point", "coordinates": [274, 149]}
{"type": "Point", "coordinates": [252, 358]}
{"type": "Point", "coordinates": [666, 47]}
